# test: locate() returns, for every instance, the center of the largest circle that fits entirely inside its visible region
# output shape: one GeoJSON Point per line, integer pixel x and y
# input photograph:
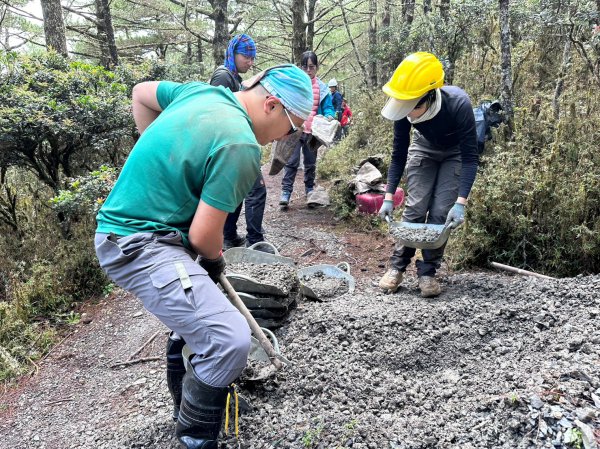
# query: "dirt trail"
{"type": "Point", "coordinates": [497, 361]}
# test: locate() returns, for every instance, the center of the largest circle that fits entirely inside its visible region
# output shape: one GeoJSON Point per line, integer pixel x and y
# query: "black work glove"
{"type": "Point", "coordinates": [214, 267]}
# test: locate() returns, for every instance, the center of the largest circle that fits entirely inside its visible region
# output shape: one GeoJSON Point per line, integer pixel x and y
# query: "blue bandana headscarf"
{"type": "Point", "coordinates": [240, 43]}
{"type": "Point", "coordinates": [292, 86]}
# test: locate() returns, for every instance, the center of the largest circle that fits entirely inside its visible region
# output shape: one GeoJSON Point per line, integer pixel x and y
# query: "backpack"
{"type": "Point", "coordinates": [488, 115]}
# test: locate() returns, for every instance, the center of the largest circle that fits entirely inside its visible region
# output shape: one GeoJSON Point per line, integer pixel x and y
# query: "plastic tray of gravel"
{"type": "Point", "coordinates": [323, 282]}
{"type": "Point", "coordinates": [251, 255]}
{"type": "Point", "coordinates": [271, 279]}
{"type": "Point", "coordinates": [420, 235]}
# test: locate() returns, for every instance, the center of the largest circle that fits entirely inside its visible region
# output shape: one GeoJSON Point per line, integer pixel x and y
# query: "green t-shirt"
{"type": "Point", "coordinates": [201, 146]}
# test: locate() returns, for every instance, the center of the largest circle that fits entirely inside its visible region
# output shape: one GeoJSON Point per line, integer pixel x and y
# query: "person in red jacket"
{"type": "Point", "coordinates": [346, 118]}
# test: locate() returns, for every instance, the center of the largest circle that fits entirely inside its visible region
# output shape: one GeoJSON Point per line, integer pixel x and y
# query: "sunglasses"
{"type": "Point", "coordinates": [294, 128]}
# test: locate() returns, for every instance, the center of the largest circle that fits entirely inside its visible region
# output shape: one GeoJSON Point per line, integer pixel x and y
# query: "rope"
{"type": "Point", "coordinates": [237, 411]}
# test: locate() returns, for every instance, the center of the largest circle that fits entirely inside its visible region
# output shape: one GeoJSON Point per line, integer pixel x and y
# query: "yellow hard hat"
{"type": "Point", "coordinates": [416, 75]}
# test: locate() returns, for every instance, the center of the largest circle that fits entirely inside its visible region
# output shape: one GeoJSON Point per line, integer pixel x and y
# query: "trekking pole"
{"type": "Point", "coordinates": [254, 327]}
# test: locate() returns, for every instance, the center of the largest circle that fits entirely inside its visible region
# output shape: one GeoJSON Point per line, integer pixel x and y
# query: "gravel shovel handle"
{"type": "Point", "coordinates": [254, 327]}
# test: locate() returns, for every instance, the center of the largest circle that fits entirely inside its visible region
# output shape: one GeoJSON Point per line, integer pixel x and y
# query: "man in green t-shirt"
{"type": "Point", "coordinates": [196, 159]}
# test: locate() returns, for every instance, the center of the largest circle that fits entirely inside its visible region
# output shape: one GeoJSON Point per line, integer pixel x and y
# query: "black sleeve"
{"type": "Point", "coordinates": [399, 154]}
{"type": "Point", "coordinates": [337, 105]}
{"type": "Point", "coordinates": [468, 148]}
{"type": "Point", "coordinates": [221, 77]}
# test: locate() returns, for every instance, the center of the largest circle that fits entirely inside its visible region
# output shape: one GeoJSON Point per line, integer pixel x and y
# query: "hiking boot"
{"type": "Point", "coordinates": [284, 199]}
{"type": "Point", "coordinates": [201, 414]}
{"type": "Point", "coordinates": [236, 242]}
{"type": "Point", "coordinates": [390, 281]}
{"type": "Point", "coordinates": [175, 371]}
{"type": "Point", "coordinates": [429, 286]}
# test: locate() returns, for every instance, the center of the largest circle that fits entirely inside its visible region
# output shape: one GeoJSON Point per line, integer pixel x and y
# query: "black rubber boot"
{"type": "Point", "coordinates": [201, 414]}
{"type": "Point", "coordinates": [175, 372]}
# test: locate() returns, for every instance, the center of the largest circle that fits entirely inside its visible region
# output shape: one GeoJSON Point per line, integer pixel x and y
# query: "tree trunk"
{"type": "Point", "coordinates": [362, 65]}
{"type": "Point", "coordinates": [106, 35]}
{"type": "Point", "coordinates": [373, 43]}
{"type": "Point", "coordinates": [199, 55]}
{"type": "Point", "coordinates": [445, 9]}
{"type": "Point", "coordinates": [310, 28]}
{"type": "Point", "coordinates": [561, 78]}
{"type": "Point", "coordinates": [386, 21]}
{"type": "Point", "coordinates": [189, 53]}
{"type": "Point", "coordinates": [54, 27]}
{"type": "Point", "coordinates": [298, 30]}
{"type": "Point", "coordinates": [506, 65]}
{"type": "Point", "coordinates": [161, 51]}
{"type": "Point", "coordinates": [221, 35]}
{"type": "Point", "coordinates": [426, 6]}
{"type": "Point", "coordinates": [408, 11]}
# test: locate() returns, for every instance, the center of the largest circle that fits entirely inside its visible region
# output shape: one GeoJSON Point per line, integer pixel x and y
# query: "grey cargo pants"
{"type": "Point", "coordinates": [433, 177]}
{"type": "Point", "coordinates": [163, 274]}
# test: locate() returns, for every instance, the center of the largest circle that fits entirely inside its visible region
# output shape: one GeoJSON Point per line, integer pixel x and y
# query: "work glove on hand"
{"type": "Point", "coordinates": [456, 216]}
{"type": "Point", "coordinates": [386, 209]}
{"type": "Point", "coordinates": [214, 267]}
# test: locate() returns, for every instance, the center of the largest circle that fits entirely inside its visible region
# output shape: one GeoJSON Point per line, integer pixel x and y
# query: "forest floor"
{"type": "Point", "coordinates": [496, 361]}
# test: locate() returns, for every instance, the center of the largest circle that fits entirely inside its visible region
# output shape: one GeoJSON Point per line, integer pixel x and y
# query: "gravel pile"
{"type": "Point", "coordinates": [280, 276]}
{"type": "Point", "coordinates": [495, 362]}
{"type": "Point", "coordinates": [323, 286]}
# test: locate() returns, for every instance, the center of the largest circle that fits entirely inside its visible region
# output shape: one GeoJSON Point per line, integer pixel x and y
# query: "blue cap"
{"type": "Point", "coordinates": [292, 86]}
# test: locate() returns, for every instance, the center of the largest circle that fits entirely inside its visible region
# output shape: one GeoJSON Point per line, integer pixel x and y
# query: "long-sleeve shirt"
{"type": "Point", "coordinates": [453, 125]}
{"type": "Point", "coordinates": [222, 76]}
{"type": "Point", "coordinates": [336, 101]}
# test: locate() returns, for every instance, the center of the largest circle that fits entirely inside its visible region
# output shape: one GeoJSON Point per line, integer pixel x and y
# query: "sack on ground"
{"type": "Point", "coordinates": [367, 179]}
{"type": "Point", "coordinates": [318, 198]}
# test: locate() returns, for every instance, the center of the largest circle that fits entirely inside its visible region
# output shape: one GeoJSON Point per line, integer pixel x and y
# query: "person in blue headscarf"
{"type": "Point", "coordinates": [239, 58]}
{"type": "Point", "coordinates": [160, 231]}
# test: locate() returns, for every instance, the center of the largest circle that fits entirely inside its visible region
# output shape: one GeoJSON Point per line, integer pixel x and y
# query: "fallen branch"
{"type": "Point", "coordinates": [143, 346]}
{"type": "Point", "coordinates": [135, 361]}
{"type": "Point", "coordinates": [317, 256]}
{"type": "Point", "coordinates": [308, 252]}
{"type": "Point", "coordinates": [56, 346]}
{"type": "Point", "coordinates": [57, 401]}
{"type": "Point", "coordinates": [519, 271]}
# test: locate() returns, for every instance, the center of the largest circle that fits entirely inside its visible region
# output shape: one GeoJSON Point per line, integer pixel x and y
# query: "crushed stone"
{"type": "Point", "coordinates": [324, 286]}
{"type": "Point", "coordinates": [415, 234]}
{"type": "Point", "coordinates": [281, 276]}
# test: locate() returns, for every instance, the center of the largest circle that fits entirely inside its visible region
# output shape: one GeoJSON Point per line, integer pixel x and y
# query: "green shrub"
{"type": "Point", "coordinates": [85, 194]}
{"type": "Point", "coordinates": [536, 201]}
{"type": "Point", "coordinates": [370, 134]}
{"type": "Point", "coordinates": [58, 116]}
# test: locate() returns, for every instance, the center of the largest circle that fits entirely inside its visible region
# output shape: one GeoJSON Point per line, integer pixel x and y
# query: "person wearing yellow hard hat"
{"type": "Point", "coordinates": [442, 159]}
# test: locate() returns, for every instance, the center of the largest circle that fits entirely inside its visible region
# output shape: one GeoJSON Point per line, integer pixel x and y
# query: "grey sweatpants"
{"type": "Point", "coordinates": [433, 177]}
{"type": "Point", "coordinates": [163, 274]}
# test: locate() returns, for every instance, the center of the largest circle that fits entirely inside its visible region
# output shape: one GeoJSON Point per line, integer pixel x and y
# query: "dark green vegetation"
{"type": "Point", "coordinates": [66, 128]}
